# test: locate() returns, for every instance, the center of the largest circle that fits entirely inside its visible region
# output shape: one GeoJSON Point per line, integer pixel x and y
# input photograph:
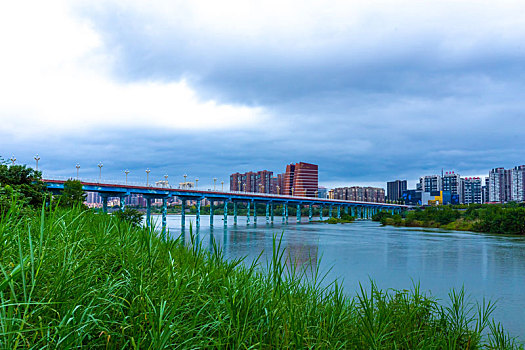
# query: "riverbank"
{"type": "Point", "coordinates": [78, 279]}
{"type": "Point", "coordinates": [497, 219]}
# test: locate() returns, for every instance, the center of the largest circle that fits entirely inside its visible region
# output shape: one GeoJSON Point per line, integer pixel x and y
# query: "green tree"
{"type": "Point", "coordinates": [22, 184]}
{"type": "Point", "coordinates": [133, 216]}
{"type": "Point", "coordinates": [73, 194]}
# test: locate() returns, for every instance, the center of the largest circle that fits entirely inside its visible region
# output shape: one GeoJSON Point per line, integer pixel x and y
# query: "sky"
{"type": "Point", "coordinates": [371, 91]}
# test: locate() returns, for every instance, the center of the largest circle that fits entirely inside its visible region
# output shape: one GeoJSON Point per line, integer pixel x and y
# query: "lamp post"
{"type": "Point", "coordinates": [100, 165]}
{"type": "Point", "coordinates": [37, 158]}
{"type": "Point", "coordinates": [196, 183]}
{"type": "Point", "coordinates": [222, 186]}
{"type": "Point", "coordinates": [13, 159]}
{"type": "Point", "coordinates": [147, 177]}
{"type": "Point", "coordinates": [239, 185]}
{"type": "Point", "coordinates": [78, 167]}
{"type": "Point", "coordinates": [126, 172]}
{"type": "Point", "coordinates": [185, 185]}
{"type": "Point", "coordinates": [214, 182]}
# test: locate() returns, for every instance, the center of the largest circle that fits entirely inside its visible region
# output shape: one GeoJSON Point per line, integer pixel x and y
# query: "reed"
{"type": "Point", "coordinates": [74, 278]}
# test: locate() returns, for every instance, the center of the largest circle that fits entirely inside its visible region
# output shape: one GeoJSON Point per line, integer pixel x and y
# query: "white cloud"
{"type": "Point", "coordinates": [55, 77]}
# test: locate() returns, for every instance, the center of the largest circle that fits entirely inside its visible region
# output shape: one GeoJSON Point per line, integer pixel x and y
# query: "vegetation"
{"type": "Point", "coordinates": [73, 194]}
{"type": "Point", "coordinates": [20, 184]}
{"type": "Point", "coordinates": [345, 218]}
{"type": "Point", "coordinates": [489, 218]}
{"type": "Point", "coordinates": [74, 278]}
{"type": "Point", "coordinates": [132, 216]}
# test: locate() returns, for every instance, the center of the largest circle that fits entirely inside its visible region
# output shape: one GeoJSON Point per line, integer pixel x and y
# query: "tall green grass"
{"type": "Point", "coordinates": [73, 278]}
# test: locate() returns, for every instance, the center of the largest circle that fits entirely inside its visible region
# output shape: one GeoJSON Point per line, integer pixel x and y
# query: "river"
{"type": "Point", "coordinates": [489, 266]}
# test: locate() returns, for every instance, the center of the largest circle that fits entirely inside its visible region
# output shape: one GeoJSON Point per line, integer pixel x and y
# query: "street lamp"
{"type": "Point", "coordinates": [196, 183]}
{"type": "Point", "coordinates": [126, 172]}
{"type": "Point", "coordinates": [239, 185]}
{"type": "Point", "coordinates": [100, 165]}
{"type": "Point", "coordinates": [78, 167]}
{"type": "Point", "coordinates": [166, 179]}
{"type": "Point", "coordinates": [214, 182]}
{"type": "Point", "coordinates": [13, 159]}
{"type": "Point", "coordinates": [222, 186]}
{"type": "Point", "coordinates": [185, 184]}
{"type": "Point", "coordinates": [147, 177]}
{"type": "Point", "coordinates": [37, 158]}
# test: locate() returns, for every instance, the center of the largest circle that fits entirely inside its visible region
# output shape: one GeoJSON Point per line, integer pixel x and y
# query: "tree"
{"type": "Point", "coordinates": [22, 183]}
{"type": "Point", "coordinates": [73, 194]}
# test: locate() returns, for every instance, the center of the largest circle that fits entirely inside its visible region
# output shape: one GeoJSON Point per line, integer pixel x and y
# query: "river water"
{"type": "Point", "coordinates": [489, 266]}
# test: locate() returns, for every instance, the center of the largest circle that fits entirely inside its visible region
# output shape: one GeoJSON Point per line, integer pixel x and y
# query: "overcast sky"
{"type": "Point", "coordinates": [370, 91]}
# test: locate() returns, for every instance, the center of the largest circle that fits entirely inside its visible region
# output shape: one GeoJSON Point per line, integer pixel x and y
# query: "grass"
{"type": "Point", "coordinates": [73, 278]}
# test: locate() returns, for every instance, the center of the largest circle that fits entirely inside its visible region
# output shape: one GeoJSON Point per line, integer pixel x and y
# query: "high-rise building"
{"type": "Point", "coordinates": [361, 194]}
{"type": "Point", "coordinates": [485, 191]}
{"type": "Point", "coordinates": [322, 192]}
{"type": "Point", "coordinates": [430, 183]}
{"type": "Point", "coordinates": [472, 190]}
{"type": "Point", "coordinates": [500, 185]}
{"type": "Point", "coordinates": [300, 179]}
{"type": "Point", "coordinates": [451, 182]}
{"type": "Point", "coordinates": [260, 181]}
{"type": "Point", "coordinates": [394, 189]}
{"type": "Point", "coordinates": [518, 184]}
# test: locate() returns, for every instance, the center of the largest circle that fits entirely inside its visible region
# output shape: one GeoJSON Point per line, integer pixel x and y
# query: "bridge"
{"type": "Point", "coordinates": [362, 210]}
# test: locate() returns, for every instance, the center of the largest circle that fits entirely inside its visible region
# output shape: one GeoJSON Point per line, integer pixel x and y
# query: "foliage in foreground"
{"type": "Point", "coordinates": [73, 278]}
{"type": "Point", "coordinates": [489, 218]}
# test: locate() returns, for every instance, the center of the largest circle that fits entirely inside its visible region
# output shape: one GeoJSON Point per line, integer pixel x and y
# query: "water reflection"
{"type": "Point", "coordinates": [487, 266]}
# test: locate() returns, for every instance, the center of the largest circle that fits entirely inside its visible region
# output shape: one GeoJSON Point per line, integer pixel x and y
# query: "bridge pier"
{"type": "Point", "coordinates": [198, 224]}
{"type": "Point", "coordinates": [286, 206]}
{"type": "Point", "coordinates": [225, 213]}
{"type": "Point", "coordinates": [310, 213]}
{"type": "Point", "coordinates": [164, 214]}
{"type": "Point", "coordinates": [104, 204]}
{"type": "Point", "coordinates": [148, 211]}
{"type": "Point", "coordinates": [271, 212]}
{"type": "Point", "coordinates": [234, 213]}
{"type": "Point", "coordinates": [284, 214]}
{"type": "Point", "coordinates": [352, 210]}
{"type": "Point", "coordinates": [122, 200]}
{"type": "Point", "coordinates": [267, 212]}
{"type": "Point", "coordinates": [211, 213]}
{"type": "Point", "coordinates": [254, 212]}
{"type": "Point", "coordinates": [183, 213]}
{"type": "Point", "coordinates": [339, 212]}
{"type": "Point", "coordinates": [298, 213]}
{"type": "Point", "coordinates": [321, 213]}
{"type": "Point", "coordinates": [248, 214]}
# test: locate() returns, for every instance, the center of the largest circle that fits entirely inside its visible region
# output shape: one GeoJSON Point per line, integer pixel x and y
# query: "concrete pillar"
{"type": "Point", "coordinates": [211, 213]}
{"type": "Point", "coordinates": [105, 204]}
{"type": "Point", "coordinates": [352, 209]}
{"type": "Point", "coordinates": [122, 203]}
{"type": "Point", "coordinates": [254, 212]}
{"type": "Point", "coordinates": [339, 212]}
{"type": "Point", "coordinates": [298, 213]}
{"type": "Point", "coordinates": [183, 213]}
{"type": "Point", "coordinates": [164, 214]}
{"type": "Point", "coordinates": [199, 201]}
{"type": "Point", "coordinates": [321, 212]}
{"type": "Point", "coordinates": [225, 214]}
{"type": "Point", "coordinates": [267, 212]}
{"type": "Point", "coordinates": [271, 212]}
{"type": "Point", "coordinates": [248, 214]}
{"type": "Point", "coordinates": [286, 206]}
{"type": "Point", "coordinates": [235, 213]}
{"type": "Point", "coordinates": [148, 211]}
{"type": "Point", "coordinates": [284, 214]}
{"type": "Point", "coordinates": [310, 213]}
